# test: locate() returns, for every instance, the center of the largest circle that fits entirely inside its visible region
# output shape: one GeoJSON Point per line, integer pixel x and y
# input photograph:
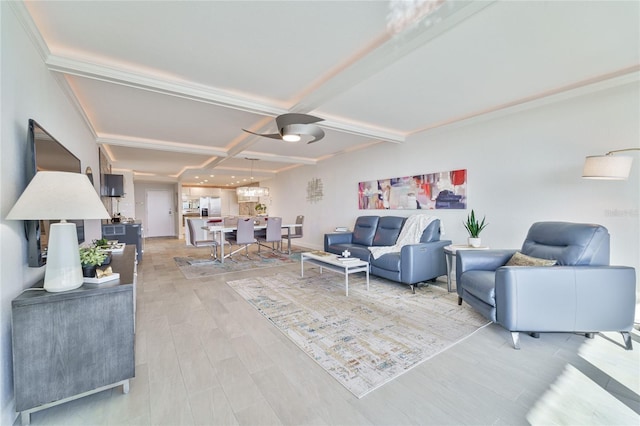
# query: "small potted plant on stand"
{"type": "Point", "coordinates": [474, 228]}
{"type": "Point", "coordinates": [90, 259]}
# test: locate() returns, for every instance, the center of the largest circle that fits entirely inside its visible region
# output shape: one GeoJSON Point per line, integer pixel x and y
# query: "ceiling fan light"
{"type": "Point", "coordinates": [291, 137]}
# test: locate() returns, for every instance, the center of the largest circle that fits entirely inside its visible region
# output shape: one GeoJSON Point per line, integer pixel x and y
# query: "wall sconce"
{"type": "Point", "coordinates": [608, 166]}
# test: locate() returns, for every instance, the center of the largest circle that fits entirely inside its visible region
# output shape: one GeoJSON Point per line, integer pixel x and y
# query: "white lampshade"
{"type": "Point", "coordinates": [607, 167]}
{"type": "Point", "coordinates": [60, 196]}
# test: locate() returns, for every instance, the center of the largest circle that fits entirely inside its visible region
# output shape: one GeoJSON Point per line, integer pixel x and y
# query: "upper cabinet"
{"type": "Point", "coordinates": [197, 192]}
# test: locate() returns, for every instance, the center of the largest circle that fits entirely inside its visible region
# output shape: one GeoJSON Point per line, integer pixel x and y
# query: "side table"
{"type": "Point", "coordinates": [450, 253]}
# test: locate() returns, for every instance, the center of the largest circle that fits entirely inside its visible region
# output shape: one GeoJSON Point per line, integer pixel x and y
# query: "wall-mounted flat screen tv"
{"type": "Point", "coordinates": [45, 153]}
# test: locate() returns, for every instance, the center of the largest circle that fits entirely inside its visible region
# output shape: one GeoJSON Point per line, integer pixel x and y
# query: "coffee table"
{"type": "Point", "coordinates": [331, 262]}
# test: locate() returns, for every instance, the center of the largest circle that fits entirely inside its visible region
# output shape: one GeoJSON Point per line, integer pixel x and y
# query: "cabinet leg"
{"type": "Point", "coordinates": [25, 418]}
{"type": "Point", "coordinates": [125, 387]}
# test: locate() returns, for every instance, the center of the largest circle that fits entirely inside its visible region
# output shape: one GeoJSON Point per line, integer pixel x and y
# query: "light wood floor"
{"type": "Point", "coordinates": [204, 356]}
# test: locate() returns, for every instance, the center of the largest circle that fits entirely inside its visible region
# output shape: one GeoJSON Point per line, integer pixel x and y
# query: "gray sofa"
{"type": "Point", "coordinates": [415, 263]}
{"type": "Point", "coordinates": [581, 294]}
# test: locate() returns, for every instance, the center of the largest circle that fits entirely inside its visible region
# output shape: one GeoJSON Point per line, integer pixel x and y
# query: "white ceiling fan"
{"type": "Point", "coordinates": [293, 126]}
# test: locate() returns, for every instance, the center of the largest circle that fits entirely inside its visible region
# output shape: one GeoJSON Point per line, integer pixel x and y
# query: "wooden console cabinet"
{"type": "Point", "coordinates": [71, 344]}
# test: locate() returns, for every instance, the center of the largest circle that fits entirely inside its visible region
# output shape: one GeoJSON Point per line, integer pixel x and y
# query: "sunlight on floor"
{"type": "Point", "coordinates": [608, 387]}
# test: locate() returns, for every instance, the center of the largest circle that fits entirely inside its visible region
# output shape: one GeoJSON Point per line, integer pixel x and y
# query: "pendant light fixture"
{"type": "Point", "coordinates": [248, 194]}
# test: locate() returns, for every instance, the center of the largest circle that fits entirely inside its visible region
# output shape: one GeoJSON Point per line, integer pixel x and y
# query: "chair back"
{"type": "Point", "coordinates": [192, 232]}
{"type": "Point", "coordinates": [274, 229]}
{"type": "Point", "coordinates": [297, 233]}
{"type": "Point", "coordinates": [568, 243]}
{"type": "Point", "coordinates": [245, 235]}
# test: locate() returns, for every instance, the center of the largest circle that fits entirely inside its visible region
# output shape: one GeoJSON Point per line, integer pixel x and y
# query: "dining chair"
{"type": "Point", "coordinates": [243, 238]}
{"type": "Point", "coordinates": [195, 242]}
{"type": "Point", "coordinates": [272, 235]}
{"type": "Point", "coordinates": [297, 233]}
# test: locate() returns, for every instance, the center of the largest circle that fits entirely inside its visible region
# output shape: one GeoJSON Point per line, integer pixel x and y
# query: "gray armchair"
{"type": "Point", "coordinates": [580, 294]}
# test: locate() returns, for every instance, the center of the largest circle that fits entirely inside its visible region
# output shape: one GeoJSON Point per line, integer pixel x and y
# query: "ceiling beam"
{"type": "Point", "coordinates": [157, 145]}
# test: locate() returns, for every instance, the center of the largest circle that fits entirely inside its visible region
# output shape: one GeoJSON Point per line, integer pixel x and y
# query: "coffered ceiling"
{"type": "Point", "coordinates": [167, 87]}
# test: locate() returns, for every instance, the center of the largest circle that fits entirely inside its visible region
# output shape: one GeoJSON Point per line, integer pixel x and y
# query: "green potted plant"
{"type": "Point", "coordinates": [261, 208]}
{"type": "Point", "coordinates": [474, 227]}
{"type": "Point", "coordinates": [102, 243]}
{"type": "Point", "coordinates": [90, 259]}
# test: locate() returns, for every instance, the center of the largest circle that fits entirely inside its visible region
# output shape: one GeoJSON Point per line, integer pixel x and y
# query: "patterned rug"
{"type": "Point", "coordinates": [369, 338]}
{"type": "Point", "coordinates": [193, 268]}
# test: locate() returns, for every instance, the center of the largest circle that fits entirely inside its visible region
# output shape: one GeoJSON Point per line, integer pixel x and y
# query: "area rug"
{"type": "Point", "coordinates": [193, 268]}
{"type": "Point", "coordinates": [368, 338]}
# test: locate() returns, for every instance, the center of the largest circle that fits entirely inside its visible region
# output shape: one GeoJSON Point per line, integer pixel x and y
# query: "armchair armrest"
{"type": "Point", "coordinates": [423, 261]}
{"type": "Point", "coordinates": [483, 260]}
{"type": "Point", "coordinates": [566, 298]}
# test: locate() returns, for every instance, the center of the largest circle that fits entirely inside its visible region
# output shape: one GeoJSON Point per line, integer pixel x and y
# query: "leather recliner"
{"type": "Point", "coordinates": [582, 293]}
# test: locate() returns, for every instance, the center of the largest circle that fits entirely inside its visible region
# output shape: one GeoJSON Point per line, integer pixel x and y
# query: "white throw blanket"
{"type": "Point", "coordinates": [410, 234]}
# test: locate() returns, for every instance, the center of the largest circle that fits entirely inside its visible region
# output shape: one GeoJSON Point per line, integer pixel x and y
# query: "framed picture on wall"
{"type": "Point", "coordinates": [431, 191]}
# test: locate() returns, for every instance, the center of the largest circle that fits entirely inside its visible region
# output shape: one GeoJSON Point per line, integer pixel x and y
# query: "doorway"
{"type": "Point", "coordinates": [160, 214]}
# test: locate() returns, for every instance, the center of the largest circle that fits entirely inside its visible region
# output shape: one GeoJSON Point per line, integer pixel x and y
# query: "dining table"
{"type": "Point", "coordinates": [220, 229]}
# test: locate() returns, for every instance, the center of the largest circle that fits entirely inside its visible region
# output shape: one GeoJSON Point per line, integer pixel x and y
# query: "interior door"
{"type": "Point", "coordinates": [160, 214]}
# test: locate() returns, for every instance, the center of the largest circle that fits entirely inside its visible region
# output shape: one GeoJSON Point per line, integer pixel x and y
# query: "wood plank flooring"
{"type": "Point", "coordinates": [204, 356]}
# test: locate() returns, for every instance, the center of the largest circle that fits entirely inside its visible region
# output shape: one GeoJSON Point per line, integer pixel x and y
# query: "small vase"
{"type": "Point", "coordinates": [475, 242]}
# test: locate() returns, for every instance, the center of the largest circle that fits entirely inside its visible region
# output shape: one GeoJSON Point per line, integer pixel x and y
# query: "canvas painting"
{"type": "Point", "coordinates": [432, 191]}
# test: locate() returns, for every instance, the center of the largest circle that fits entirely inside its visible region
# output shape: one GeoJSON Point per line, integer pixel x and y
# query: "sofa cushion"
{"type": "Point", "coordinates": [389, 261]}
{"type": "Point", "coordinates": [480, 284]}
{"type": "Point", "coordinates": [519, 259]}
{"type": "Point", "coordinates": [389, 228]}
{"type": "Point", "coordinates": [364, 230]}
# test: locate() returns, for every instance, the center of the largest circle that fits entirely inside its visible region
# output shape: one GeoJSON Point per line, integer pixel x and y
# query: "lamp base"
{"type": "Point", "coordinates": [63, 271]}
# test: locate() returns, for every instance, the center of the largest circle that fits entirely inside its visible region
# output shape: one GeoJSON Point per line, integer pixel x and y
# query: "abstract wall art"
{"type": "Point", "coordinates": [431, 191]}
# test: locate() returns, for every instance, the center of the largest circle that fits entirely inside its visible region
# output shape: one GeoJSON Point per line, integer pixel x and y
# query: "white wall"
{"type": "Point", "coordinates": [126, 205]}
{"type": "Point", "coordinates": [522, 167]}
{"type": "Point", "coordinates": [29, 90]}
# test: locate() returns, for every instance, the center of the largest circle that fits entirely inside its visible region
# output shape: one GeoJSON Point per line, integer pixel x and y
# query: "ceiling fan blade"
{"type": "Point", "coordinates": [295, 118]}
{"type": "Point", "coordinates": [317, 134]}
{"type": "Point", "coordinates": [266, 135]}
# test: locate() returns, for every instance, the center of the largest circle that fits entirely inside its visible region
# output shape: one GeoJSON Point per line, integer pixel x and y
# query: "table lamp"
{"type": "Point", "coordinates": [60, 196]}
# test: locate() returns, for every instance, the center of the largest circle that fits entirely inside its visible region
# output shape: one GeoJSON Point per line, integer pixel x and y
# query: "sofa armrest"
{"type": "Point", "coordinates": [423, 261]}
{"type": "Point", "coordinates": [566, 298]}
{"type": "Point", "coordinates": [337, 238]}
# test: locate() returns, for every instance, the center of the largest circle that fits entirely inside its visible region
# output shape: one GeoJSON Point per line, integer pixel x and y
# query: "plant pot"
{"type": "Point", "coordinates": [89, 271]}
{"type": "Point", "coordinates": [107, 260]}
{"type": "Point", "coordinates": [475, 242]}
